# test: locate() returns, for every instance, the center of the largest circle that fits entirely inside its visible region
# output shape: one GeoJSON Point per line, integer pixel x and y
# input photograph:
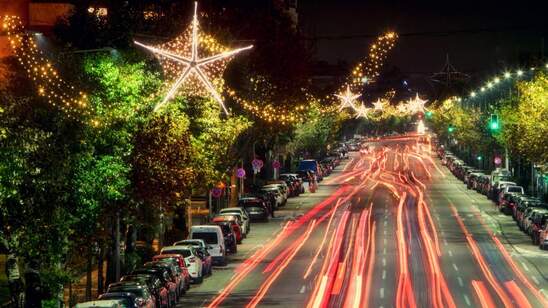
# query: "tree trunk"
{"type": "Point", "coordinates": [88, 274]}
{"type": "Point", "coordinates": [100, 261]}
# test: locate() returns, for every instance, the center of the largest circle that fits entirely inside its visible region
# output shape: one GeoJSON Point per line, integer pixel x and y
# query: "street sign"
{"type": "Point", "coordinates": [276, 164]}
{"type": "Point", "coordinates": [240, 173]}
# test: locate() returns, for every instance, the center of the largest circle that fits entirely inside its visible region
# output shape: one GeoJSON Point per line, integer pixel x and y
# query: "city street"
{"type": "Point", "coordinates": [396, 229]}
{"type": "Point", "coordinates": [276, 153]}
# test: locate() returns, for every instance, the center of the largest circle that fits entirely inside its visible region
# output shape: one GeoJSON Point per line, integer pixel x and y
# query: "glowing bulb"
{"type": "Point", "coordinates": [482, 89]}
{"type": "Point", "coordinates": [519, 72]}
{"type": "Point", "coordinates": [507, 75]}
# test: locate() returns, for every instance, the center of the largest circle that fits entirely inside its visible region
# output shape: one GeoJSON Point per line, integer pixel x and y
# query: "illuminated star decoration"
{"type": "Point", "coordinates": [402, 108]}
{"type": "Point", "coordinates": [416, 105]}
{"type": "Point", "coordinates": [378, 105]}
{"type": "Point", "coordinates": [362, 111]}
{"type": "Point", "coordinates": [347, 99]}
{"type": "Point", "coordinates": [192, 65]}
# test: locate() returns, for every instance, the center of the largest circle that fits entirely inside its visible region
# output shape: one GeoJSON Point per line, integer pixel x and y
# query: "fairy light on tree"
{"type": "Point", "coordinates": [181, 58]}
{"type": "Point", "coordinates": [378, 105]}
{"type": "Point", "coordinates": [43, 74]}
{"type": "Point", "coordinates": [362, 111]}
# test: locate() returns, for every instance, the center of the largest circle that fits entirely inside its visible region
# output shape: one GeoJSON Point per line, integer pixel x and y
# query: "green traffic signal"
{"type": "Point", "coordinates": [429, 114]}
{"type": "Point", "coordinates": [494, 124]}
{"type": "Point", "coordinates": [451, 128]}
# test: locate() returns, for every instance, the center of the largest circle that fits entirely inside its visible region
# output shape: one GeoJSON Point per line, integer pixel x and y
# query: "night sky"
{"type": "Point", "coordinates": [481, 37]}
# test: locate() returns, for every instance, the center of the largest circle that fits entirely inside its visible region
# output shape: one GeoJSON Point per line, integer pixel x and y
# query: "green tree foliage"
{"type": "Point", "coordinates": [525, 124]}
{"type": "Point", "coordinates": [163, 170]}
{"type": "Point", "coordinates": [314, 135]}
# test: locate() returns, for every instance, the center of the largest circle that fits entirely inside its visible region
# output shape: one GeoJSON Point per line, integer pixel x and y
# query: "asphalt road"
{"type": "Point", "coordinates": [393, 228]}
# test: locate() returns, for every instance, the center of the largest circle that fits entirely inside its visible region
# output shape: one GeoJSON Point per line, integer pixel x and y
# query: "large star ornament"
{"type": "Point", "coordinates": [347, 99]}
{"type": "Point", "coordinates": [416, 105]}
{"type": "Point", "coordinates": [193, 65]}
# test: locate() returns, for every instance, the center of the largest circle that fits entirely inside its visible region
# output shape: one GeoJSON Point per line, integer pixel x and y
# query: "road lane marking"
{"type": "Point", "coordinates": [525, 266]}
{"type": "Point", "coordinates": [382, 292]}
{"type": "Point", "coordinates": [535, 279]}
{"type": "Point", "coordinates": [461, 283]}
{"type": "Point", "coordinates": [455, 267]}
{"type": "Point", "coordinates": [450, 253]}
{"type": "Point", "coordinates": [303, 288]}
{"type": "Point", "coordinates": [383, 274]}
{"type": "Point", "coordinates": [384, 241]}
{"type": "Point", "coordinates": [384, 251]}
{"type": "Point", "coordinates": [384, 232]}
{"type": "Point", "coordinates": [385, 223]}
{"type": "Point", "coordinates": [444, 242]}
{"type": "Point", "coordinates": [383, 261]}
{"type": "Point", "coordinates": [467, 300]}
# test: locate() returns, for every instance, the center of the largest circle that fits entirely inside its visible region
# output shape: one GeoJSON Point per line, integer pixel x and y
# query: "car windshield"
{"type": "Point", "coordinates": [514, 189]}
{"type": "Point", "coordinates": [208, 237]}
{"type": "Point", "coordinates": [184, 252]}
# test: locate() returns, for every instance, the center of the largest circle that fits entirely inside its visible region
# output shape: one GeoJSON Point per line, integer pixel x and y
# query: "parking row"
{"type": "Point", "coordinates": [530, 213]}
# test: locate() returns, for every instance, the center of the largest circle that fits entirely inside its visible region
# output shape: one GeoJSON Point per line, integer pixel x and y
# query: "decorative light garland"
{"type": "Point", "coordinates": [369, 69]}
{"type": "Point", "coordinates": [40, 70]}
{"type": "Point", "coordinates": [181, 58]}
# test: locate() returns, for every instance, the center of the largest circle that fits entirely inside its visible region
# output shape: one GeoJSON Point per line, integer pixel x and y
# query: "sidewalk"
{"type": "Point", "coordinates": [261, 233]}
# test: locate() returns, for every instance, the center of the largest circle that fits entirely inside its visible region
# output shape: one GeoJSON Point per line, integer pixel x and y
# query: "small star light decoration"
{"type": "Point", "coordinates": [195, 63]}
{"type": "Point", "coordinates": [416, 105]}
{"type": "Point", "coordinates": [347, 99]}
{"type": "Point", "coordinates": [378, 105]}
{"type": "Point", "coordinates": [362, 111]}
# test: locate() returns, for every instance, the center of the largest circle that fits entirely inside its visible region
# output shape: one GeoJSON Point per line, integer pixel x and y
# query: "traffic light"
{"type": "Point", "coordinates": [479, 157]}
{"type": "Point", "coordinates": [451, 128]}
{"type": "Point", "coordinates": [494, 124]}
{"type": "Point", "coordinates": [428, 114]}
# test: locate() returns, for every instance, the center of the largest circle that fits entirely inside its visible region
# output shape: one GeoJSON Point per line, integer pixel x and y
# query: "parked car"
{"type": "Point", "coordinates": [203, 253]}
{"type": "Point", "coordinates": [246, 221]}
{"type": "Point", "coordinates": [193, 262]}
{"type": "Point", "coordinates": [179, 260]}
{"type": "Point", "coordinates": [506, 203]}
{"type": "Point", "coordinates": [543, 238]}
{"type": "Point", "coordinates": [106, 303]}
{"type": "Point", "coordinates": [145, 298]}
{"type": "Point", "coordinates": [234, 224]}
{"type": "Point", "coordinates": [165, 276]}
{"type": "Point", "coordinates": [256, 209]}
{"type": "Point", "coordinates": [298, 181]}
{"type": "Point", "coordinates": [213, 237]}
{"type": "Point", "coordinates": [528, 221]}
{"type": "Point", "coordinates": [229, 236]}
{"type": "Point", "coordinates": [175, 273]}
{"type": "Point", "coordinates": [538, 223]}
{"type": "Point", "coordinates": [279, 197]}
{"type": "Point", "coordinates": [510, 189]}
{"type": "Point", "coordinates": [129, 299]}
{"type": "Point", "coordinates": [156, 285]}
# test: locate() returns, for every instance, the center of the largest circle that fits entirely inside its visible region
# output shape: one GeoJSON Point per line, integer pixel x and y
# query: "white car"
{"type": "Point", "coordinates": [110, 303]}
{"type": "Point", "coordinates": [509, 188]}
{"type": "Point", "coordinates": [246, 222]}
{"type": "Point", "coordinates": [213, 237]}
{"type": "Point", "coordinates": [193, 262]}
{"type": "Point", "coordinates": [280, 198]}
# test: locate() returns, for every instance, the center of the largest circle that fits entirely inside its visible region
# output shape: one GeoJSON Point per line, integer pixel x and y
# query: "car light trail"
{"type": "Point", "coordinates": [322, 293]}
{"type": "Point", "coordinates": [481, 261]}
{"type": "Point", "coordinates": [540, 297]}
{"type": "Point", "coordinates": [295, 247]}
{"type": "Point", "coordinates": [309, 269]}
{"type": "Point", "coordinates": [485, 299]}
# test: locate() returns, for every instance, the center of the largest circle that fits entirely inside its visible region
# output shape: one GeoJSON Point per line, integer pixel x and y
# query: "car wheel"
{"type": "Point", "coordinates": [235, 249]}
{"type": "Point", "coordinates": [199, 279]}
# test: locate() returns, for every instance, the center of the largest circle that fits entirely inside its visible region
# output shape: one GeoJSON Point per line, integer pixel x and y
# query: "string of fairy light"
{"type": "Point", "coordinates": [365, 71]}
{"type": "Point", "coordinates": [43, 74]}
